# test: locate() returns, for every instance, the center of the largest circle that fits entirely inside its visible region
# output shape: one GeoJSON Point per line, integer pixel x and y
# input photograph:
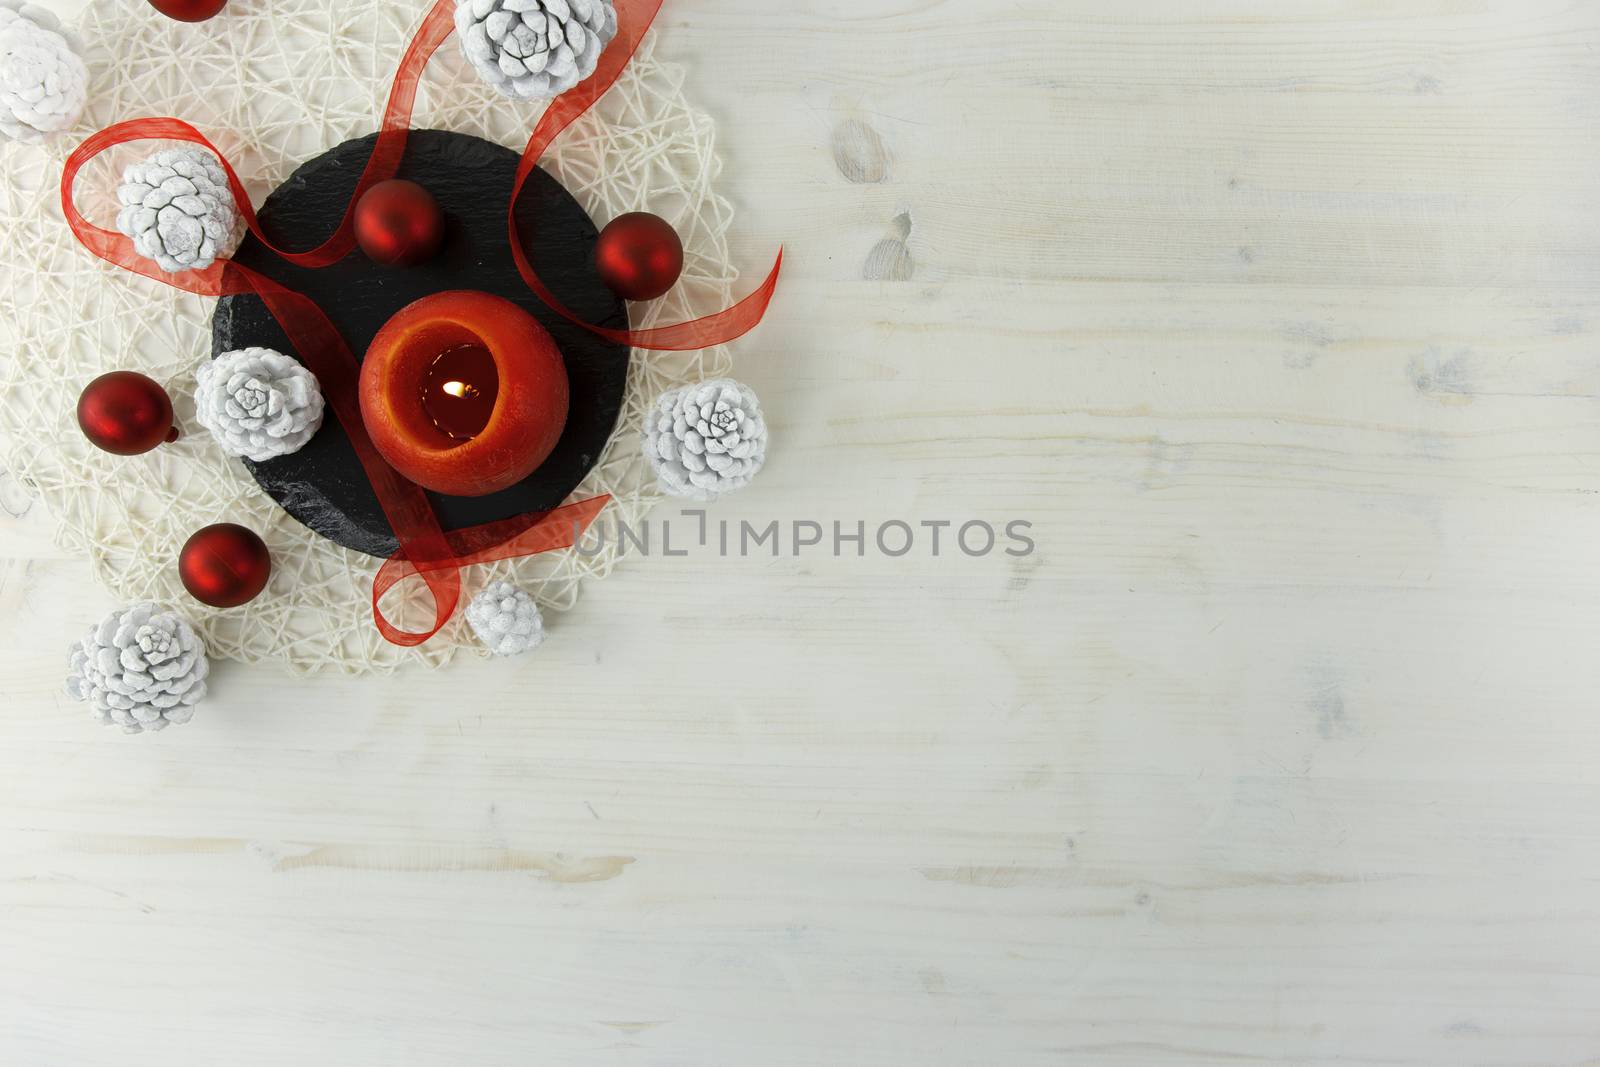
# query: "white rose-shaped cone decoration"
{"type": "Point", "coordinates": [705, 440]}
{"type": "Point", "coordinates": [178, 209]}
{"type": "Point", "coordinates": [140, 669]}
{"type": "Point", "coordinates": [506, 619]}
{"type": "Point", "coordinates": [43, 83]}
{"type": "Point", "coordinates": [258, 403]}
{"type": "Point", "coordinates": [534, 49]}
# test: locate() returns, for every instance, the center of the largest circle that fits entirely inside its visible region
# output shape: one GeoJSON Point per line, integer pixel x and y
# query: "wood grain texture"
{"type": "Point", "coordinates": [1277, 320]}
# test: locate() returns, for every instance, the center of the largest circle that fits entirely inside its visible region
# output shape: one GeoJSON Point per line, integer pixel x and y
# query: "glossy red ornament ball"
{"type": "Point", "coordinates": [224, 565]}
{"type": "Point", "coordinates": [126, 413]}
{"type": "Point", "coordinates": [189, 10]}
{"type": "Point", "coordinates": [639, 256]}
{"type": "Point", "coordinates": [399, 224]}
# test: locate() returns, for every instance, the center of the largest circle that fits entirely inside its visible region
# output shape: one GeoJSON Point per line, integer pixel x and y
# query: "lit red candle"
{"type": "Point", "coordinates": [464, 393]}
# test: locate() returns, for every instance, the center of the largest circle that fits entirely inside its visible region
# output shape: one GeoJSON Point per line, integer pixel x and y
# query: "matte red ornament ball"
{"type": "Point", "coordinates": [126, 413]}
{"type": "Point", "coordinates": [224, 565]}
{"type": "Point", "coordinates": [639, 256]}
{"type": "Point", "coordinates": [189, 10]}
{"type": "Point", "coordinates": [399, 224]}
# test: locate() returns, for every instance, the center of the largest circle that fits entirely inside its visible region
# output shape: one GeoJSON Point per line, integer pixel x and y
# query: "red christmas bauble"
{"type": "Point", "coordinates": [639, 256]}
{"type": "Point", "coordinates": [189, 10]}
{"type": "Point", "coordinates": [399, 224]}
{"type": "Point", "coordinates": [224, 565]}
{"type": "Point", "coordinates": [126, 413]}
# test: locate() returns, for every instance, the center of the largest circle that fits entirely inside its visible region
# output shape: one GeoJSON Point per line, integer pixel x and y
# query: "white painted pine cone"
{"type": "Point", "coordinates": [140, 669]}
{"type": "Point", "coordinates": [258, 403]}
{"type": "Point", "coordinates": [506, 619]}
{"type": "Point", "coordinates": [534, 49]}
{"type": "Point", "coordinates": [43, 83]}
{"type": "Point", "coordinates": [178, 209]}
{"type": "Point", "coordinates": [705, 440]}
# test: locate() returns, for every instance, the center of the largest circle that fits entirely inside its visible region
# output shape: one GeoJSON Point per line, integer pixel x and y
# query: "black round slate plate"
{"type": "Point", "coordinates": [323, 484]}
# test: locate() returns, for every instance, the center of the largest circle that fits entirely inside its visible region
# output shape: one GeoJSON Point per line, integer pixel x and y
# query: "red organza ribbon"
{"type": "Point", "coordinates": [425, 550]}
{"type": "Point", "coordinates": [633, 19]}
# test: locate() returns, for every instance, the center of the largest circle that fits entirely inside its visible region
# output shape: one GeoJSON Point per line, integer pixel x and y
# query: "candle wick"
{"type": "Point", "coordinates": [459, 390]}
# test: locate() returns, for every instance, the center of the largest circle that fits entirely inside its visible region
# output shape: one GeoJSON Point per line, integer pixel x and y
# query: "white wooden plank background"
{"type": "Point", "coordinates": [1277, 319]}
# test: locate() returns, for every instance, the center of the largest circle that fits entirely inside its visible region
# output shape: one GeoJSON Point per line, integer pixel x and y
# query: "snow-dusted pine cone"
{"type": "Point", "coordinates": [534, 49]}
{"type": "Point", "coordinates": [258, 403]}
{"type": "Point", "coordinates": [43, 83]}
{"type": "Point", "coordinates": [142, 669]}
{"type": "Point", "coordinates": [705, 440]}
{"type": "Point", "coordinates": [506, 619]}
{"type": "Point", "coordinates": [178, 209]}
